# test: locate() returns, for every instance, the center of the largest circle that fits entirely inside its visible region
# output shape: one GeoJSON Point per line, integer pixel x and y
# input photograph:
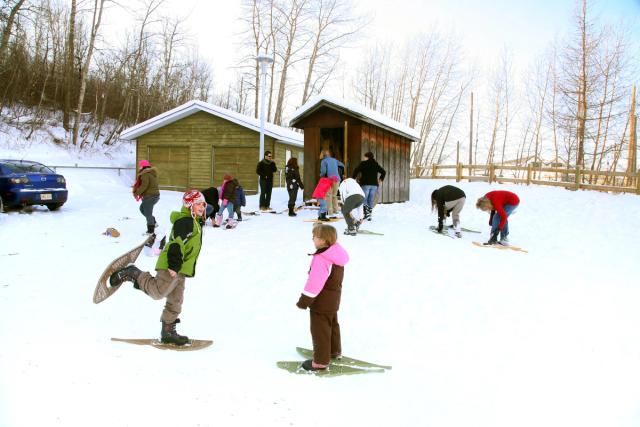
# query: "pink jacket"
{"type": "Point", "coordinates": [324, 184]}
{"type": "Point", "coordinates": [321, 267]}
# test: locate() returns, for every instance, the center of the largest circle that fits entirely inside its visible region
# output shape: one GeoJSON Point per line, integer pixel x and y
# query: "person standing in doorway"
{"type": "Point", "coordinates": [330, 168]}
{"type": "Point", "coordinates": [265, 170]}
{"type": "Point", "coordinates": [146, 188]}
{"type": "Point", "coordinates": [368, 169]}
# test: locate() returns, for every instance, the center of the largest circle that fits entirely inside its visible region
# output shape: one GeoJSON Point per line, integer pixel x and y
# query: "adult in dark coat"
{"type": "Point", "coordinates": [366, 173]}
{"type": "Point", "coordinates": [448, 200]}
{"type": "Point", "coordinates": [265, 170]}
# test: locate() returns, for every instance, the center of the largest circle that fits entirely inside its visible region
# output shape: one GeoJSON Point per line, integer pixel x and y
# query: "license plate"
{"type": "Point", "coordinates": [45, 197]}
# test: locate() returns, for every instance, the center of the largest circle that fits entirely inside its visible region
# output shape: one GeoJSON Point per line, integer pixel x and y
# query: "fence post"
{"type": "Point", "coordinates": [638, 182]}
{"type": "Point", "coordinates": [490, 173]}
{"type": "Point", "coordinates": [434, 171]}
{"type": "Point", "coordinates": [458, 172]}
{"type": "Point", "coordinates": [578, 177]}
{"type": "Point", "coordinates": [529, 170]}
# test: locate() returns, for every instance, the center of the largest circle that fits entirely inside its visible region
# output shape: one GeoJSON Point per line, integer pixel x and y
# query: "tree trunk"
{"type": "Point", "coordinates": [97, 17]}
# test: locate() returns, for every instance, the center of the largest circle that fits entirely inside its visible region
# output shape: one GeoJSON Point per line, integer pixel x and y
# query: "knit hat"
{"type": "Point", "coordinates": [227, 177]}
{"type": "Point", "coordinates": [191, 197]}
{"type": "Point", "coordinates": [144, 164]}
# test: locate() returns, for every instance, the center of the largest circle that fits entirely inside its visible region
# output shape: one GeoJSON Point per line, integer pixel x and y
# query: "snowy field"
{"type": "Point", "coordinates": [476, 336]}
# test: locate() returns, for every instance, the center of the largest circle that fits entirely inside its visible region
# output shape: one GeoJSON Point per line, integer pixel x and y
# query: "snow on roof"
{"type": "Point", "coordinates": [280, 133]}
{"type": "Point", "coordinates": [363, 113]}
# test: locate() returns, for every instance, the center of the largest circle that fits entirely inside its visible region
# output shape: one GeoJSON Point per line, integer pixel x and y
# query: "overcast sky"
{"type": "Point", "coordinates": [525, 27]}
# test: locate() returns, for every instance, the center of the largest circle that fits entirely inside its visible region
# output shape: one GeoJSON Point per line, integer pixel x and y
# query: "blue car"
{"type": "Point", "coordinates": [24, 183]}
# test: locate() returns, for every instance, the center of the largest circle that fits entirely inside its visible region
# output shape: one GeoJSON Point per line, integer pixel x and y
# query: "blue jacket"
{"type": "Point", "coordinates": [329, 167]}
{"type": "Point", "coordinates": [239, 200]}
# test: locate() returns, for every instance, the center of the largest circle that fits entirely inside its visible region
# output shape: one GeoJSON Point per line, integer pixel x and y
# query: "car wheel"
{"type": "Point", "coordinates": [54, 206]}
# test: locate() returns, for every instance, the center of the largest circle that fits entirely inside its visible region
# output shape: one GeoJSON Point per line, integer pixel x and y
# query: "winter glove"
{"type": "Point", "coordinates": [493, 239]}
{"type": "Point", "coordinates": [304, 302]}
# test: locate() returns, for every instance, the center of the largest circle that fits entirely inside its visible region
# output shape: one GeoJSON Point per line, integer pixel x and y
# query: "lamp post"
{"type": "Point", "coordinates": [263, 60]}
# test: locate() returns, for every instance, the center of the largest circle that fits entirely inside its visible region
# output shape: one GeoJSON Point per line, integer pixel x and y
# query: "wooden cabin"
{"type": "Point", "coordinates": [351, 130]}
{"type": "Point", "coordinates": [195, 144]}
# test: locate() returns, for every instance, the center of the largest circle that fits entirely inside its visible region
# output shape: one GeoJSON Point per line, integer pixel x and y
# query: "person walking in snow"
{"type": "Point", "coordinates": [367, 175]}
{"type": "Point", "coordinates": [176, 262]}
{"type": "Point", "coordinates": [321, 295]}
{"type": "Point", "coordinates": [330, 168]}
{"type": "Point", "coordinates": [448, 200]}
{"type": "Point", "coordinates": [265, 170]}
{"type": "Point", "coordinates": [292, 177]}
{"type": "Point", "coordinates": [227, 196]}
{"type": "Point", "coordinates": [146, 188]}
{"type": "Point", "coordinates": [501, 204]}
{"type": "Point", "coordinates": [352, 198]}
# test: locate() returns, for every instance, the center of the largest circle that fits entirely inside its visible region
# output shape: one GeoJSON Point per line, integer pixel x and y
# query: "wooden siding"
{"type": "Point", "coordinates": [172, 164]}
{"type": "Point", "coordinates": [391, 151]}
{"type": "Point", "coordinates": [311, 171]}
{"type": "Point", "coordinates": [212, 145]}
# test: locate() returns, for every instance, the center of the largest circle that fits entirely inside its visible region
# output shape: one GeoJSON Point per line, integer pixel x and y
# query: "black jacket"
{"type": "Point", "coordinates": [368, 170]}
{"type": "Point", "coordinates": [292, 176]}
{"type": "Point", "coordinates": [211, 196]}
{"type": "Point", "coordinates": [266, 169]}
{"type": "Point", "coordinates": [448, 193]}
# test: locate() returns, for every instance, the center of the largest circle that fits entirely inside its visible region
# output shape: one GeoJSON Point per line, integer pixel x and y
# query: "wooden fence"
{"type": "Point", "coordinates": [570, 178]}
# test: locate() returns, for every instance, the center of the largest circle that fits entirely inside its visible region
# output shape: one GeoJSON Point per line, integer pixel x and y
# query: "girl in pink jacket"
{"type": "Point", "coordinates": [321, 295]}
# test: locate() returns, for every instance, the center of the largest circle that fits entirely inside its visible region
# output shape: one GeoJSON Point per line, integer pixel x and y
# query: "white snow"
{"type": "Point", "coordinates": [476, 336]}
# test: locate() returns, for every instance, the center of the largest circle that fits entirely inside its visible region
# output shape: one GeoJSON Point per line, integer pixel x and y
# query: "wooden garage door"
{"type": "Point", "coordinates": [173, 166]}
{"type": "Point", "coordinates": [238, 161]}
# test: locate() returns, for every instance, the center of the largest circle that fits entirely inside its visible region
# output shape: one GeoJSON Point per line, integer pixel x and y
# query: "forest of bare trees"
{"type": "Point", "coordinates": [52, 59]}
{"type": "Point", "coordinates": [571, 105]}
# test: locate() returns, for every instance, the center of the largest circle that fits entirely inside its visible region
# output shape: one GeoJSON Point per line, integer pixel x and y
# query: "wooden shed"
{"type": "Point", "coordinates": [195, 144]}
{"type": "Point", "coordinates": [352, 130]}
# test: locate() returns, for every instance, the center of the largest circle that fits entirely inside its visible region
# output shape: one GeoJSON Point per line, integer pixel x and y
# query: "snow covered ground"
{"type": "Point", "coordinates": [476, 336]}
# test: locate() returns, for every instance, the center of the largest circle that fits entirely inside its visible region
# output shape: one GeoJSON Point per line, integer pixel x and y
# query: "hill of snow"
{"type": "Point", "coordinates": [476, 336]}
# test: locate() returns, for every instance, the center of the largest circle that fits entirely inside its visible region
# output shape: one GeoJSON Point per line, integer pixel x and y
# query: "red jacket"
{"type": "Point", "coordinates": [499, 199]}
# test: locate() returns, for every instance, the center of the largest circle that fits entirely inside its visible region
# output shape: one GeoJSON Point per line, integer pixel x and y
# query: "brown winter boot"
{"type": "Point", "coordinates": [168, 335]}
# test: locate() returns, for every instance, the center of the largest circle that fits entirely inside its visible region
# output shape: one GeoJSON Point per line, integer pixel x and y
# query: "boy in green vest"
{"type": "Point", "coordinates": [176, 262]}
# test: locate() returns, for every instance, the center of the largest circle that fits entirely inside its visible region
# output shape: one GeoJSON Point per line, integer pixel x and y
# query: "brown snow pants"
{"type": "Point", "coordinates": [325, 333]}
{"type": "Point", "coordinates": [332, 199]}
{"type": "Point", "coordinates": [164, 286]}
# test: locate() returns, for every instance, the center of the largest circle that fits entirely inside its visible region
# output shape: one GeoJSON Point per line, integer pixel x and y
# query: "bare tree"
{"type": "Point", "coordinates": [95, 26]}
{"type": "Point", "coordinates": [333, 27]}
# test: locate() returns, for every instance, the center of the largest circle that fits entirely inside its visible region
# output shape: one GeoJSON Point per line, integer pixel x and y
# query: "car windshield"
{"type": "Point", "coordinates": [24, 167]}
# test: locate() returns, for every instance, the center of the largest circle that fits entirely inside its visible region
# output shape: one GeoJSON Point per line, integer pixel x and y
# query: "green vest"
{"type": "Point", "coordinates": [190, 247]}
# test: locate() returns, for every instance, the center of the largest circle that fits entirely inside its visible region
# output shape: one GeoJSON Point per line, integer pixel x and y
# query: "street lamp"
{"type": "Point", "coordinates": [263, 60]}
